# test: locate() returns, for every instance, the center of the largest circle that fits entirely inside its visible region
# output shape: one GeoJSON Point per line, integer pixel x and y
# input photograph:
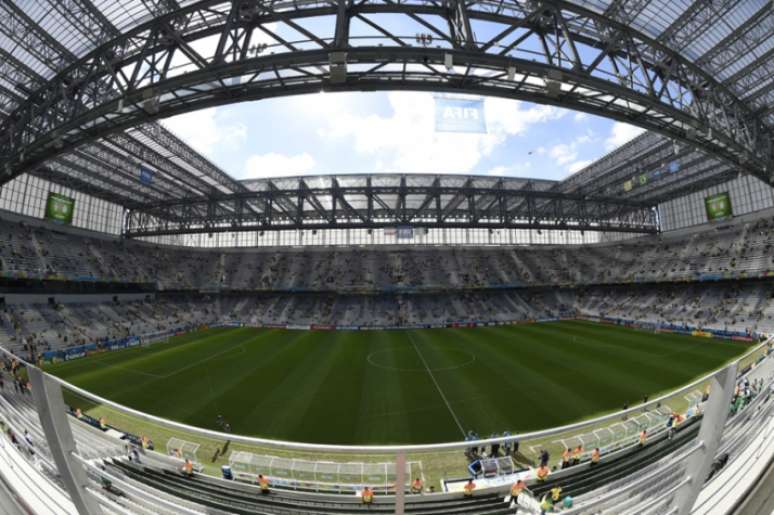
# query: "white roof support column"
{"type": "Point", "coordinates": [712, 426]}
{"type": "Point", "coordinates": [53, 419]}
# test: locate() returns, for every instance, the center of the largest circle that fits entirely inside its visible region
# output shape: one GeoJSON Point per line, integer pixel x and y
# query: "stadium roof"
{"type": "Point", "coordinates": [390, 200]}
{"type": "Point", "coordinates": [53, 51]}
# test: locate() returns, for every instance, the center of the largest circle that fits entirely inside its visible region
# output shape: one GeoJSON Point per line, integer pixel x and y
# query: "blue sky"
{"type": "Point", "coordinates": [394, 132]}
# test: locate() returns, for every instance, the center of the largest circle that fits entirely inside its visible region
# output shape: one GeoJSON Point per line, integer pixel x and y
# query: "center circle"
{"type": "Point", "coordinates": [463, 358]}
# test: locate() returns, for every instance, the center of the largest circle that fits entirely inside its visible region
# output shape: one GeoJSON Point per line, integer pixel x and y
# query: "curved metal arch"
{"type": "Point", "coordinates": [588, 63]}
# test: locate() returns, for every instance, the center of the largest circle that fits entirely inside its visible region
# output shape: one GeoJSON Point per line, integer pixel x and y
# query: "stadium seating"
{"type": "Point", "coordinates": [740, 249]}
{"type": "Point", "coordinates": [746, 307]}
{"type": "Point", "coordinates": [678, 280]}
{"type": "Point", "coordinates": [622, 483]}
{"type": "Point", "coordinates": [739, 307]}
{"type": "Point", "coordinates": [53, 327]}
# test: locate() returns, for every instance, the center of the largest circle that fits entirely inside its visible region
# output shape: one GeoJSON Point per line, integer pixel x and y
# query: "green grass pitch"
{"type": "Point", "coordinates": [403, 386]}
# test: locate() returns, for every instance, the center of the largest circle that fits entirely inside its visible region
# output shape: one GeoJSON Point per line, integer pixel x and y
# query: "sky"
{"type": "Point", "coordinates": [387, 132]}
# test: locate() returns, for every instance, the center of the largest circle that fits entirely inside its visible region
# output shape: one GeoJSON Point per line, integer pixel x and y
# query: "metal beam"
{"type": "Point", "coordinates": [473, 205]}
{"type": "Point", "coordinates": [653, 86]}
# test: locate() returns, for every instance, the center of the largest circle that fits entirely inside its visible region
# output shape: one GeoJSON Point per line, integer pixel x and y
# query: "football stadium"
{"type": "Point", "coordinates": [434, 257]}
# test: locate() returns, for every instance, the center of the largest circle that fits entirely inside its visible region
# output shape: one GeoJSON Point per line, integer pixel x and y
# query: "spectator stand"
{"type": "Point", "coordinates": [320, 476]}
{"type": "Point", "coordinates": [25, 477]}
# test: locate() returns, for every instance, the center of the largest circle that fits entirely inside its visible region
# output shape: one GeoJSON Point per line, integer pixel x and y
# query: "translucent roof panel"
{"type": "Point", "coordinates": [732, 40]}
{"type": "Point", "coordinates": [701, 31]}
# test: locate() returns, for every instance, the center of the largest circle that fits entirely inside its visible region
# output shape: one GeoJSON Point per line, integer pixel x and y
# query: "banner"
{"type": "Point", "coordinates": [459, 115]}
{"type": "Point", "coordinates": [60, 208]}
{"type": "Point", "coordinates": [718, 206]}
{"type": "Point", "coordinates": [405, 232]}
{"type": "Point", "coordinates": [146, 175]}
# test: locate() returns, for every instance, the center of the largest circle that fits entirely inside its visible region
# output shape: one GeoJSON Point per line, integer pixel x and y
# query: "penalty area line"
{"type": "Point", "coordinates": [437, 386]}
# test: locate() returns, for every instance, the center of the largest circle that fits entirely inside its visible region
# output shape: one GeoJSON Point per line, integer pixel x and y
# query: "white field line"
{"type": "Point", "coordinates": [437, 386]}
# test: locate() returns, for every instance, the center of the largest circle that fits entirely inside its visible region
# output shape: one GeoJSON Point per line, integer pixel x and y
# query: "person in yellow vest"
{"type": "Point", "coordinates": [643, 437]}
{"type": "Point", "coordinates": [263, 482]}
{"type": "Point", "coordinates": [566, 458]}
{"type": "Point", "coordinates": [416, 486]}
{"type": "Point", "coordinates": [468, 488]}
{"type": "Point", "coordinates": [542, 473]}
{"type": "Point", "coordinates": [556, 494]}
{"type": "Point", "coordinates": [144, 442]}
{"type": "Point", "coordinates": [595, 455]}
{"type": "Point", "coordinates": [576, 454]}
{"type": "Point", "coordinates": [546, 505]}
{"type": "Point", "coordinates": [367, 495]}
{"type": "Point", "coordinates": [102, 423]}
{"type": "Point", "coordinates": [187, 468]}
{"type": "Point", "coordinates": [516, 490]}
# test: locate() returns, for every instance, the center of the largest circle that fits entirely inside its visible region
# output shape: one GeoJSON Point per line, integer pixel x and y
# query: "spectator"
{"type": "Point", "coordinates": [263, 482]}
{"type": "Point", "coordinates": [468, 488]}
{"type": "Point", "coordinates": [367, 496]}
{"type": "Point", "coordinates": [595, 456]}
{"type": "Point", "coordinates": [516, 489]}
{"type": "Point", "coordinates": [187, 469]}
{"type": "Point", "coordinates": [576, 454]}
{"type": "Point", "coordinates": [544, 458]}
{"type": "Point", "coordinates": [28, 441]}
{"type": "Point", "coordinates": [546, 505]}
{"type": "Point", "coordinates": [556, 494]}
{"type": "Point", "coordinates": [542, 473]}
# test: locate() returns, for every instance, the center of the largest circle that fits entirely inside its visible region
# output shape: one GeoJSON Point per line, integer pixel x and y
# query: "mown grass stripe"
{"type": "Point", "coordinates": [373, 387]}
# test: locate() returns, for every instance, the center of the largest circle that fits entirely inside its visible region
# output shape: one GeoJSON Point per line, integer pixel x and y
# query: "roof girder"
{"type": "Point", "coordinates": [740, 140]}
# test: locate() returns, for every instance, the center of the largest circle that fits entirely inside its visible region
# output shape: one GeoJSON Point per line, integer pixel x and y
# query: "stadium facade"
{"type": "Point", "coordinates": [115, 233]}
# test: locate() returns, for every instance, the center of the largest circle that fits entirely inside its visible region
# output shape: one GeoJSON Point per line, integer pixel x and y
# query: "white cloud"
{"type": "Point", "coordinates": [406, 140]}
{"type": "Point", "coordinates": [622, 133]}
{"type": "Point", "coordinates": [585, 138]}
{"type": "Point", "coordinates": [511, 170]}
{"type": "Point", "coordinates": [563, 153]}
{"type": "Point", "coordinates": [579, 165]}
{"type": "Point", "coordinates": [566, 154]}
{"type": "Point", "coordinates": [579, 117]}
{"type": "Point", "coordinates": [277, 165]}
{"type": "Point", "coordinates": [206, 132]}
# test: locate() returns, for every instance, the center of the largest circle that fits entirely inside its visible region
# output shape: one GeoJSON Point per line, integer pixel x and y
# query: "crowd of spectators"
{"type": "Point", "coordinates": [31, 329]}
{"type": "Point", "coordinates": [391, 286]}
{"type": "Point", "coordinates": [727, 306]}
{"type": "Point", "coordinates": [720, 250]}
{"type": "Point", "coordinates": [741, 307]}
